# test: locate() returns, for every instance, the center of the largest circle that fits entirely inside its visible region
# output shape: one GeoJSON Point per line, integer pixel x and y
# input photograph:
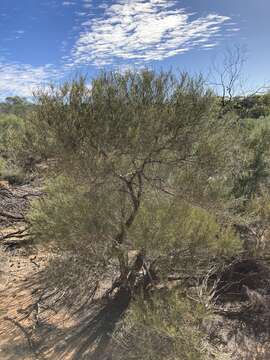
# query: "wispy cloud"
{"type": "Point", "coordinates": [142, 31]}
{"type": "Point", "coordinates": [23, 79]}
{"type": "Point", "coordinates": [128, 33]}
{"type": "Point", "coordinates": [68, 3]}
{"type": "Point", "coordinates": [87, 4]}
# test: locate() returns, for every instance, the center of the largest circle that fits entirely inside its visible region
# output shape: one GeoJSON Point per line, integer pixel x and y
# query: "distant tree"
{"type": "Point", "coordinates": [253, 106]}
{"type": "Point", "coordinates": [226, 77]}
{"type": "Point", "coordinates": [16, 105]}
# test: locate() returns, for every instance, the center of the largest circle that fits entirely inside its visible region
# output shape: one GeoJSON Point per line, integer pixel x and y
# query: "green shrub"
{"type": "Point", "coordinates": [165, 328]}
{"type": "Point", "coordinates": [165, 225]}
{"type": "Point", "coordinates": [254, 172]}
{"type": "Point", "coordinates": [67, 217]}
{"type": "Point", "coordinates": [11, 127]}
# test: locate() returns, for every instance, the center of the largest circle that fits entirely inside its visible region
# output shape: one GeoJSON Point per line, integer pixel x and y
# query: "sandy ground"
{"type": "Point", "coordinates": [15, 296]}
{"type": "Point", "coordinates": [28, 329]}
{"type": "Point", "coordinates": [25, 330]}
{"type": "Point", "coordinates": [29, 332]}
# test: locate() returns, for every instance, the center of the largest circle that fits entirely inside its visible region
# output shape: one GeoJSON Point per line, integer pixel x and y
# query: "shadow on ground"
{"type": "Point", "coordinates": [89, 338]}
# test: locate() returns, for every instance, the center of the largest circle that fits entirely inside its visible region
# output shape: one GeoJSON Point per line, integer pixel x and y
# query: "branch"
{"type": "Point", "coordinates": [17, 234]}
{"type": "Point", "coordinates": [11, 216]}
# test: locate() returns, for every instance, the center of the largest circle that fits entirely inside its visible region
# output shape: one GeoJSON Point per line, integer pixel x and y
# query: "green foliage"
{"type": "Point", "coordinates": [260, 208]}
{"type": "Point", "coordinates": [127, 139]}
{"type": "Point", "coordinates": [118, 115]}
{"type": "Point", "coordinates": [155, 330]}
{"type": "Point", "coordinates": [69, 218]}
{"type": "Point", "coordinates": [15, 105]}
{"type": "Point", "coordinates": [11, 127]}
{"type": "Point", "coordinates": [12, 130]}
{"type": "Point", "coordinates": [163, 226]}
{"type": "Point", "coordinates": [16, 139]}
{"type": "Point", "coordinates": [65, 215]}
{"type": "Point", "coordinates": [255, 106]}
{"type": "Point", "coordinates": [254, 175]}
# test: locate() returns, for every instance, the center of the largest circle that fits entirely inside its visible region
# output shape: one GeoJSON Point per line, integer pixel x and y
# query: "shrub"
{"type": "Point", "coordinates": [11, 127]}
{"type": "Point", "coordinates": [165, 328]}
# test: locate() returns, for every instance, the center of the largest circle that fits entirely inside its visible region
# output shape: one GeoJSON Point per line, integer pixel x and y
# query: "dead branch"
{"type": "Point", "coordinates": [11, 216]}
{"type": "Point", "coordinates": [16, 234]}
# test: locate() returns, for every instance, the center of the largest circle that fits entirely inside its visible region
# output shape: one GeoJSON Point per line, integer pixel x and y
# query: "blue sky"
{"type": "Point", "coordinates": [45, 41]}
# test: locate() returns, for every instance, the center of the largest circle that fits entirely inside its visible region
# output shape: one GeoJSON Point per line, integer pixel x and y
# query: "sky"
{"type": "Point", "coordinates": [48, 41]}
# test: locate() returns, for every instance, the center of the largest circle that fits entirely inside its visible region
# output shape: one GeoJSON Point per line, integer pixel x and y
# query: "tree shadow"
{"type": "Point", "coordinates": [88, 339]}
{"type": "Point", "coordinates": [91, 338]}
{"type": "Point", "coordinates": [50, 330]}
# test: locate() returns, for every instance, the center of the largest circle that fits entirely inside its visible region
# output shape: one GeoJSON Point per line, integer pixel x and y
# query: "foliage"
{"type": "Point", "coordinates": [254, 175]}
{"type": "Point", "coordinates": [255, 106]}
{"type": "Point", "coordinates": [15, 142]}
{"type": "Point", "coordinates": [131, 138]}
{"type": "Point", "coordinates": [154, 330]}
{"type": "Point", "coordinates": [68, 217]}
{"type": "Point", "coordinates": [15, 105]}
{"type": "Point", "coordinates": [185, 236]}
{"type": "Point", "coordinates": [10, 127]}
{"type": "Point", "coordinates": [11, 133]}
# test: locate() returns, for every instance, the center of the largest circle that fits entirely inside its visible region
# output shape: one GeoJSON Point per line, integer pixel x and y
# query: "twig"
{"type": "Point", "coordinates": [11, 216]}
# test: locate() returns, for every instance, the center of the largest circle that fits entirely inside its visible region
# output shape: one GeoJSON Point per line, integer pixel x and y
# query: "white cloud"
{"type": "Point", "coordinates": [23, 79]}
{"type": "Point", "coordinates": [68, 3]}
{"type": "Point", "coordinates": [87, 4]}
{"type": "Point", "coordinates": [129, 33]}
{"type": "Point", "coordinates": [81, 13]}
{"type": "Point", "coordinates": [143, 30]}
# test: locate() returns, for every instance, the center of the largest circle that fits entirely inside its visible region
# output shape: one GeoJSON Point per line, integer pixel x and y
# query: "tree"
{"type": "Point", "coordinates": [227, 76]}
{"type": "Point", "coordinates": [15, 105]}
{"type": "Point", "coordinates": [133, 149]}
